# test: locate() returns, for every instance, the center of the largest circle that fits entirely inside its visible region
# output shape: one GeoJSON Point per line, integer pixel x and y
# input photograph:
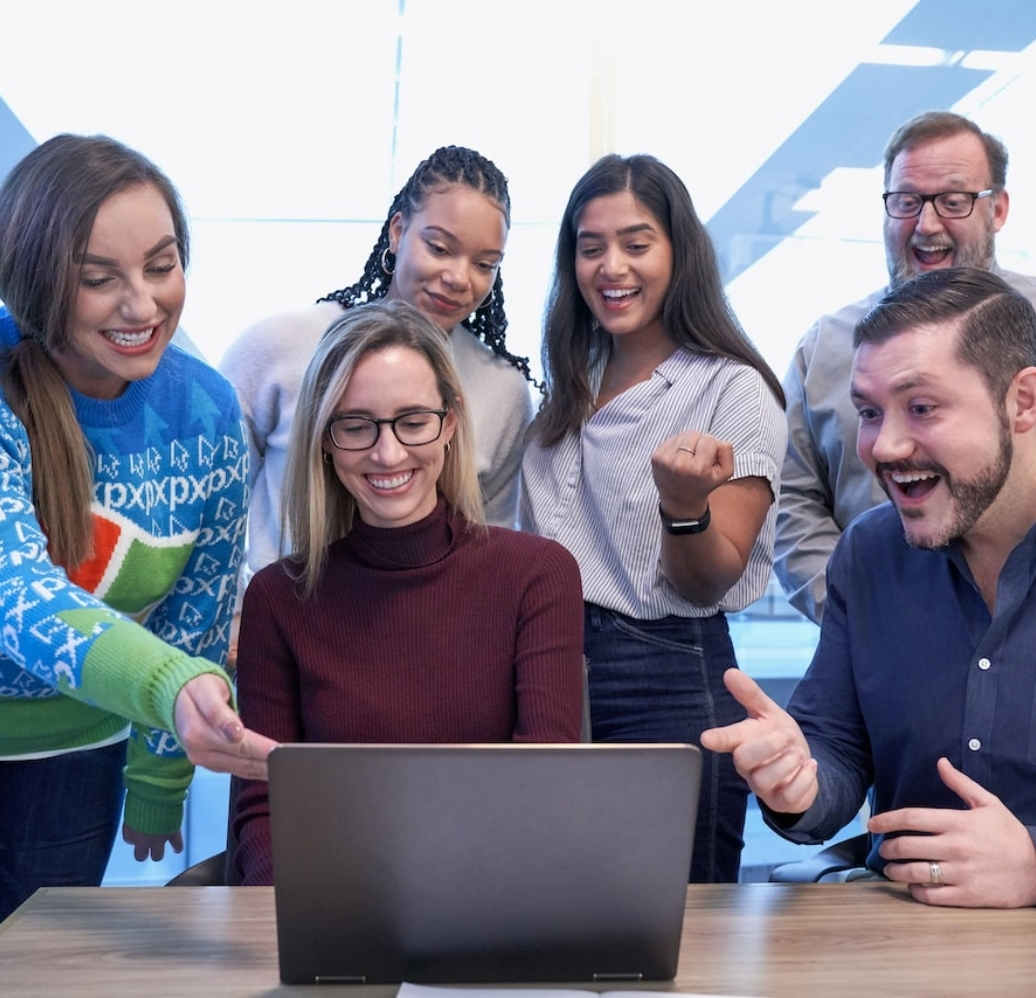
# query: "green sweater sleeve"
{"type": "Point", "coordinates": [156, 786]}
{"type": "Point", "coordinates": [128, 670]}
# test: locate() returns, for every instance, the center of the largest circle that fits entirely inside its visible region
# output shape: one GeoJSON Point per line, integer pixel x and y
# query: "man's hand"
{"type": "Point", "coordinates": [686, 469]}
{"type": "Point", "coordinates": [150, 846]}
{"type": "Point", "coordinates": [985, 856]}
{"type": "Point", "coordinates": [212, 734]}
{"type": "Point", "coordinates": [770, 751]}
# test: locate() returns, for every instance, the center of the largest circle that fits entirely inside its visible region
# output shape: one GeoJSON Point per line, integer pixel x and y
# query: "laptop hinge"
{"type": "Point", "coordinates": [632, 976]}
{"type": "Point", "coordinates": [340, 979]}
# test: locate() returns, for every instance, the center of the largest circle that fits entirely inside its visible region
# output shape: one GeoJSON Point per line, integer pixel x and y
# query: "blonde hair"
{"type": "Point", "coordinates": [317, 508]}
{"type": "Point", "coordinates": [48, 204]}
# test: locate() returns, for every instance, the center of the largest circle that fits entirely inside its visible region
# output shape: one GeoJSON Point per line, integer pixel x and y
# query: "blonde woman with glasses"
{"type": "Point", "coordinates": [400, 616]}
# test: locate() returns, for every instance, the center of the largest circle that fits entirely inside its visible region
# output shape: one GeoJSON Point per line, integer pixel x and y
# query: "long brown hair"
{"type": "Point", "coordinates": [695, 311]}
{"type": "Point", "coordinates": [48, 204]}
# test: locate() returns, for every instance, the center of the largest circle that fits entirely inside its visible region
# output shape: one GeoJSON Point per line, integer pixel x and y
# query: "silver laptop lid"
{"type": "Point", "coordinates": [460, 863]}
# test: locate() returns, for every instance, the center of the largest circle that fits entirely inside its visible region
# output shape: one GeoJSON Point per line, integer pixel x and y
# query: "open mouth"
{"type": "Point", "coordinates": [618, 298]}
{"type": "Point", "coordinates": [912, 486]}
{"type": "Point", "coordinates": [130, 340]}
{"type": "Point", "coordinates": [390, 483]}
{"type": "Point", "coordinates": [933, 256]}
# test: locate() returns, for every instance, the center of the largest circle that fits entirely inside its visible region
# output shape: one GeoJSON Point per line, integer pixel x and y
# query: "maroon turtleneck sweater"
{"type": "Point", "coordinates": [426, 633]}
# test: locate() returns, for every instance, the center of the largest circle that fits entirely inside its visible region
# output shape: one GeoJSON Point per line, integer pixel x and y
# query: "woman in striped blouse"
{"type": "Point", "coordinates": [655, 459]}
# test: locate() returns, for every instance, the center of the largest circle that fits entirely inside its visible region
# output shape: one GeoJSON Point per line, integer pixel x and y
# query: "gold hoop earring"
{"type": "Point", "coordinates": [388, 268]}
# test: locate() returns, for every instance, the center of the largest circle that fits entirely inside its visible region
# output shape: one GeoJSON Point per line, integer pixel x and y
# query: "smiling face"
{"type": "Point", "coordinates": [129, 298]}
{"type": "Point", "coordinates": [930, 431]}
{"type": "Point", "coordinates": [624, 263]}
{"type": "Point", "coordinates": [393, 484]}
{"type": "Point", "coordinates": [928, 242]}
{"type": "Point", "coordinates": [447, 253]}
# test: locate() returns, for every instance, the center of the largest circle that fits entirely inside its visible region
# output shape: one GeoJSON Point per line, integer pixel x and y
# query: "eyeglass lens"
{"type": "Point", "coordinates": [411, 429]}
{"type": "Point", "coordinates": [949, 204]}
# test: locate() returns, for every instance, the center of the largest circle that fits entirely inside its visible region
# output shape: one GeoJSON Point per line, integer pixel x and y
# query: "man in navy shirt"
{"type": "Point", "coordinates": [924, 680]}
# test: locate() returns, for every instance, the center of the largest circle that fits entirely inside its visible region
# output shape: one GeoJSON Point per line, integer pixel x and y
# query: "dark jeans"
{"type": "Point", "coordinates": [58, 818]}
{"type": "Point", "coordinates": [662, 681]}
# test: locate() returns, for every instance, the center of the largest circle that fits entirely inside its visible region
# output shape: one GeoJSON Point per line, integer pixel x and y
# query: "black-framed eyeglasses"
{"type": "Point", "coordinates": [411, 429]}
{"type": "Point", "coordinates": [947, 204]}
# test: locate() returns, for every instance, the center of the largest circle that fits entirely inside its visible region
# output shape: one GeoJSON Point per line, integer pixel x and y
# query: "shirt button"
{"type": "Point", "coordinates": [974, 744]}
{"type": "Point", "coordinates": [984, 663]}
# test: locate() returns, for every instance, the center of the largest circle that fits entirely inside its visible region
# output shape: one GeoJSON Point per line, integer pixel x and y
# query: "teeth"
{"type": "Point", "coordinates": [619, 292]}
{"type": "Point", "coordinates": [906, 477]}
{"type": "Point", "coordinates": [129, 339]}
{"type": "Point", "coordinates": [391, 483]}
{"type": "Point", "coordinates": [931, 249]}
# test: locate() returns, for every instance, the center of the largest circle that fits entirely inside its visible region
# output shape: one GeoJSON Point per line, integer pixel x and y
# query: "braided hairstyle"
{"type": "Point", "coordinates": [447, 165]}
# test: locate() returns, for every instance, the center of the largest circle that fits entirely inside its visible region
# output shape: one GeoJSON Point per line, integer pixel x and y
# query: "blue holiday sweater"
{"type": "Point", "coordinates": [114, 641]}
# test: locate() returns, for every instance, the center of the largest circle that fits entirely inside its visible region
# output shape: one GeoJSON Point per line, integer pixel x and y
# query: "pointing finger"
{"type": "Point", "coordinates": [747, 692]}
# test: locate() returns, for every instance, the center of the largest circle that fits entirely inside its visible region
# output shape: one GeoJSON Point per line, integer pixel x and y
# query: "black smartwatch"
{"type": "Point", "coordinates": [685, 526]}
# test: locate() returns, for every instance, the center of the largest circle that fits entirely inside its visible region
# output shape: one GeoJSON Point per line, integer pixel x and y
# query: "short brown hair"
{"type": "Point", "coordinates": [941, 125]}
{"type": "Point", "coordinates": [996, 326]}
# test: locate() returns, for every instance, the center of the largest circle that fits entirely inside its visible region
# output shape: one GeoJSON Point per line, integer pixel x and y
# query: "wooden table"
{"type": "Point", "coordinates": [759, 939]}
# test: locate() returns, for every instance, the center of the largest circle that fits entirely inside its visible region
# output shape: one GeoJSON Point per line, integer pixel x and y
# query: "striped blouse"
{"type": "Point", "coordinates": [594, 493]}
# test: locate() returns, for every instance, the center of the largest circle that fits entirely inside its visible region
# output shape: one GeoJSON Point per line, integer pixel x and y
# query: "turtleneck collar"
{"type": "Point", "coordinates": [393, 548]}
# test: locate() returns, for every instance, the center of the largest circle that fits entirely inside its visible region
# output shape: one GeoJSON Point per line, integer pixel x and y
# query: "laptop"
{"type": "Point", "coordinates": [491, 863]}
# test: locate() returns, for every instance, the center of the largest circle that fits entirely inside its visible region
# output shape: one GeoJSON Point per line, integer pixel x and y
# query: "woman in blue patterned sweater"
{"type": "Point", "coordinates": [122, 505]}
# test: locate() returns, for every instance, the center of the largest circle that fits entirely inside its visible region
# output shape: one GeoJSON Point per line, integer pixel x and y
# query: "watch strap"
{"type": "Point", "coordinates": [685, 526]}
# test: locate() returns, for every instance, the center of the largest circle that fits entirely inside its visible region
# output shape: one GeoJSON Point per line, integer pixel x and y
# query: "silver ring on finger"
{"type": "Point", "coordinates": [934, 873]}
{"type": "Point", "coordinates": [690, 450]}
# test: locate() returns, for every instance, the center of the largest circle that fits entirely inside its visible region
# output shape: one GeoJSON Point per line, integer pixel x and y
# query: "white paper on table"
{"type": "Point", "coordinates": [407, 990]}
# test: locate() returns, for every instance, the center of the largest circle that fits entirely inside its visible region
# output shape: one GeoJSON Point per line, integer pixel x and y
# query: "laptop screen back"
{"type": "Point", "coordinates": [481, 863]}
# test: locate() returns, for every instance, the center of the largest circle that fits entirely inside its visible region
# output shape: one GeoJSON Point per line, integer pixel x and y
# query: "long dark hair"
{"type": "Point", "coordinates": [447, 165]}
{"type": "Point", "coordinates": [48, 204]}
{"type": "Point", "coordinates": [695, 312]}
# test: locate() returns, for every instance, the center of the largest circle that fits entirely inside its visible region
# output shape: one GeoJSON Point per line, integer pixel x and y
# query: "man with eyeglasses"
{"type": "Point", "coordinates": [945, 200]}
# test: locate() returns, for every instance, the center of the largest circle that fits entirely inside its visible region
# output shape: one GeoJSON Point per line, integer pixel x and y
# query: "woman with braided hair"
{"type": "Point", "coordinates": [439, 250]}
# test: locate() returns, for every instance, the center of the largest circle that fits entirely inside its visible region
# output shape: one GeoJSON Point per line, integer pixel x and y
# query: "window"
{"type": "Point", "coordinates": [288, 130]}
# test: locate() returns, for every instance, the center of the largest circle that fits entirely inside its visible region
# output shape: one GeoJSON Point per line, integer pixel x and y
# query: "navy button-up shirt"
{"type": "Point", "coordinates": [911, 666]}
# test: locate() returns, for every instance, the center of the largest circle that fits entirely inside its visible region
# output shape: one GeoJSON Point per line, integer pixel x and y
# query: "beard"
{"type": "Point", "coordinates": [971, 497]}
{"type": "Point", "coordinates": [978, 252]}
